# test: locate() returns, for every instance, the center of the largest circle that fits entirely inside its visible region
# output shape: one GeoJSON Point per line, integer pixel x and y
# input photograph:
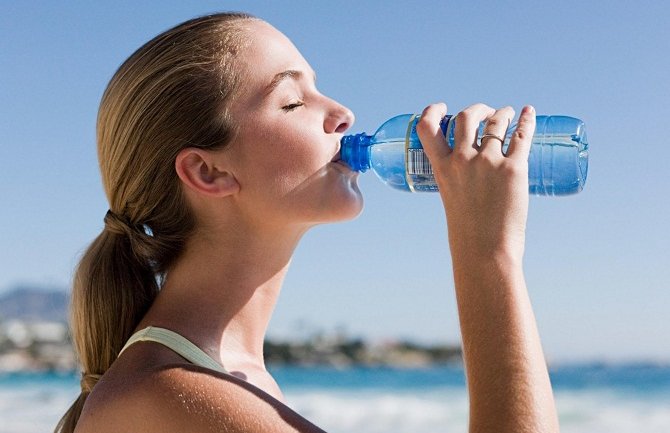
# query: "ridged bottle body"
{"type": "Point", "coordinates": [557, 164]}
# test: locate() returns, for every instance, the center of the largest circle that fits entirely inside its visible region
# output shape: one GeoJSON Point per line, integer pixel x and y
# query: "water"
{"type": "Point", "coordinates": [548, 153]}
{"type": "Point", "coordinates": [387, 161]}
{"type": "Point", "coordinates": [589, 398]}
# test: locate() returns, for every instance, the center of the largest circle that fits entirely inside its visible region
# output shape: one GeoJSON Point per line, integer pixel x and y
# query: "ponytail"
{"type": "Point", "coordinates": [172, 93]}
{"type": "Point", "coordinates": [112, 291]}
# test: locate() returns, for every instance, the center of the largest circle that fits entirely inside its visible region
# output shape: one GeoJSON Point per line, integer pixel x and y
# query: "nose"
{"type": "Point", "coordinates": [338, 119]}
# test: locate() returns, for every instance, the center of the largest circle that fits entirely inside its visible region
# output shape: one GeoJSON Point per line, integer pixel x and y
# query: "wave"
{"type": "Point", "coordinates": [35, 406]}
{"type": "Point", "coordinates": [447, 411]}
{"type": "Point", "coordinates": [374, 412]}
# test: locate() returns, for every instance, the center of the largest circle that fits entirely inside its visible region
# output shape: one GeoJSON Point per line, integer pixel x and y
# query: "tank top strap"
{"type": "Point", "coordinates": [177, 343]}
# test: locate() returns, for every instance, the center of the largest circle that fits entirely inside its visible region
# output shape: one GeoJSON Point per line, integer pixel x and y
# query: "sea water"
{"type": "Point", "coordinates": [589, 398]}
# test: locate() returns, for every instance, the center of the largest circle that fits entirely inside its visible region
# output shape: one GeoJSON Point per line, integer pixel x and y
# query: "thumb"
{"type": "Point", "coordinates": [430, 133]}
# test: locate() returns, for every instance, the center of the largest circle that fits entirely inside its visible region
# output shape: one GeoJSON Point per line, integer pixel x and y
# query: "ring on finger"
{"type": "Point", "coordinates": [500, 139]}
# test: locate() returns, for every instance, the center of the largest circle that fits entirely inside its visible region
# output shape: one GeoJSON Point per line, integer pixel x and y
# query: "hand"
{"type": "Point", "coordinates": [484, 192]}
{"type": "Point", "coordinates": [485, 196]}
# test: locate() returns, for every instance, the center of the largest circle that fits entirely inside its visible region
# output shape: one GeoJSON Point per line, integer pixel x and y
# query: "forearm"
{"type": "Point", "coordinates": [484, 189]}
{"type": "Point", "coordinates": [507, 378]}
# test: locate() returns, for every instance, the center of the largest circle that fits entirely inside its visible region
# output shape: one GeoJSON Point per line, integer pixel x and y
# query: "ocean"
{"type": "Point", "coordinates": [594, 398]}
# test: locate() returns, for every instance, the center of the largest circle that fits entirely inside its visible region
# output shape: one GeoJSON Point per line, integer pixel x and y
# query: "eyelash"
{"type": "Point", "coordinates": [293, 106]}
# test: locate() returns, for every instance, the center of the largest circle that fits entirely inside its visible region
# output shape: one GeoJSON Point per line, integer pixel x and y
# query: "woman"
{"type": "Point", "coordinates": [217, 154]}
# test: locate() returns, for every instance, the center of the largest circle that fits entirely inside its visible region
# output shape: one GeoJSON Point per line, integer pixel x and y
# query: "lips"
{"type": "Point", "coordinates": [338, 154]}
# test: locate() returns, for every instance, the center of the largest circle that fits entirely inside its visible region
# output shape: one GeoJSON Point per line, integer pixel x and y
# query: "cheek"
{"type": "Point", "coordinates": [285, 172]}
{"type": "Point", "coordinates": [294, 158]}
{"type": "Point", "coordinates": [280, 157]}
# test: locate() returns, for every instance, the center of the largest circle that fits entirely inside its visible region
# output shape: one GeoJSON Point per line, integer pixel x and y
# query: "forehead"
{"type": "Point", "coordinates": [268, 53]}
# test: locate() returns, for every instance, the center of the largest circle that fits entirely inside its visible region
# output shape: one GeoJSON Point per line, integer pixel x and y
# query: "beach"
{"type": "Point", "coordinates": [591, 398]}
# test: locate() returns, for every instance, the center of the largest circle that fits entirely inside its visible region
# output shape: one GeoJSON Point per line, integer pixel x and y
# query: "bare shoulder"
{"type": "Point", "coordinates": [186, 398]}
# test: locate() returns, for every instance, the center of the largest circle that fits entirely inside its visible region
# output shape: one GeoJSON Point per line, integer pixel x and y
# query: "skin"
{"type": "Point", "coordinates": [252, 208]}
{"type": "Point", "coordinates": [485, 196]}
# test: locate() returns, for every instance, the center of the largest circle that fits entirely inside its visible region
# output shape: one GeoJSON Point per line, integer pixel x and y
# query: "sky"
{"type": "Point", "coordinates": [597, 263]}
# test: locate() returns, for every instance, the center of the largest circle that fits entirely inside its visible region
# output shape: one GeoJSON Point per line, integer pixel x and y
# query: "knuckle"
{"type": "Point", "coordinates": [429, 116]}
{"type": "Point", "coordinates": [465, 116]}
{"type": "Point", "coordinates": [422, 124]}
{"type": "Point", "coordinates": [481, 106]}
{"type": "Point", "coordinates": [488, 159]}
{"type": "Point", "coordinates": [441, 106]}
{"type": "Point", "coordinates": [526, 122]}
{"type": "Point", "coordinates": [423, 121]}
{"type": "Point", "coordinates": [501, 117]}
{"type": "Point", "coordinates": [426, 111]}
{"type": "Point", "coordinates": [521, 134]}
{"type": "Point", "coordinates": [467, 120]}
{"type": "Point", "coordinates": [425, 126]}
{"type": "Point", "coordinates": [496, 121]}
{"type": "Point", "coordinates": [474, 109]}
{"type": "Point", "coordinates": [435, 108]}
{"type": "Point", "coordinates": [460, 158]}
{"type": "Point", "coordinates": [513, 168]}
{"type": "Point", "coordinates": [509, 110]}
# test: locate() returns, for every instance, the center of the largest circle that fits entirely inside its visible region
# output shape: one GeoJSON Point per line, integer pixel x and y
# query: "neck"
{"type": "Point", "coordinates": [222, 291]}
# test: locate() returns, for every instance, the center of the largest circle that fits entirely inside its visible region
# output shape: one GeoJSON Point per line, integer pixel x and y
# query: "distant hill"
{"type": "Point", "coordinates": [30, 304]}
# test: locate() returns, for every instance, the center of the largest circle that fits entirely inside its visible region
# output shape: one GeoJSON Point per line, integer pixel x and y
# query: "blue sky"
{"type": "Point", "coordinates": [597, 264]}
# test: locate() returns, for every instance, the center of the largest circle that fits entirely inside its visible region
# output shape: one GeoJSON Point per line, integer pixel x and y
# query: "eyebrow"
{"type": "Point", "coordinates": [281, 76]}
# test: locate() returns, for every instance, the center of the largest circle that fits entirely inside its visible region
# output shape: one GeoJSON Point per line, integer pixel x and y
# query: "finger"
{"type": "Point", "coordinates": [467, 128]}
{"type": "Point", "coordinates": [429, 131]}
{"type": "Point", "coordinates": [495, 130]}
{"type": "Point", "coordinates": [522, 138]}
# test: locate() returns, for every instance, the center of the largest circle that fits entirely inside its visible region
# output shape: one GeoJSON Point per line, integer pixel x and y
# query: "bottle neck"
{"type": "Point", "coordinates": [355, 151]}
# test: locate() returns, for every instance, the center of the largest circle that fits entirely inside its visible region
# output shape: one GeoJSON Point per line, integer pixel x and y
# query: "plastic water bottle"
{"type": "Point", "coordinates": [557, 164]}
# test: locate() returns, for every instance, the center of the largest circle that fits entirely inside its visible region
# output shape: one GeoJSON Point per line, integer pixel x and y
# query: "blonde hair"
{"type": "Point", "coordinates": [172, 93]}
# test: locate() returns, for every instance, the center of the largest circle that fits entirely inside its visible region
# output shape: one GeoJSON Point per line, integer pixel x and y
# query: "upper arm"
{"type": "Point", "coordinates": [192, 399]}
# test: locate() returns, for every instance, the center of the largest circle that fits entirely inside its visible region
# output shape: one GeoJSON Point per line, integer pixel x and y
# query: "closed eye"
{"type": "Point", "coordinates": [292, 106]}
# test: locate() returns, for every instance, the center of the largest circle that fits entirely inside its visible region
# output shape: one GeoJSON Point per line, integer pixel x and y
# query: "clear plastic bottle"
{"type": "Point", "coordinates": [557, 164]}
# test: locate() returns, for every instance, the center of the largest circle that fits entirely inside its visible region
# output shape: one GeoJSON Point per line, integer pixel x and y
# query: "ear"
{"type": "Point", "coordinates": [201, 171]}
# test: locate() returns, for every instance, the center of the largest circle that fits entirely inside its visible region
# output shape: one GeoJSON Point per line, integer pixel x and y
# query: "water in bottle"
{"type": "Point", "coordinates": [557, 164]}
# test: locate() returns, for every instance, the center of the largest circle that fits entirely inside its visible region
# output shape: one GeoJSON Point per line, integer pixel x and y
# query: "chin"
{"type": "Point", "coordinates": [347, 213]}
{"type": "Point", "coordinates": [346, 204]}
{"type": "Point", "coordinates": [330, 196]}
{"type": "Point", "coordinates": [340, 204]}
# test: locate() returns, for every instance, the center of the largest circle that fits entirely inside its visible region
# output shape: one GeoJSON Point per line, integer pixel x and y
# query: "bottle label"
{"type": "Point", "coordinates": [418, 171]}
{"type": "Point", "coordinates": [417, 162]}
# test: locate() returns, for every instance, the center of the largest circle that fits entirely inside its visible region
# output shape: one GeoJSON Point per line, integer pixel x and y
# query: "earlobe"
{"type": "Point", "coordinates": [198, 171]}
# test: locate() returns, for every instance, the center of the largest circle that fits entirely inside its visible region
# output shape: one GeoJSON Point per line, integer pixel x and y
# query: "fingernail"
{"type": "Point", "coordinates": [530, 109]}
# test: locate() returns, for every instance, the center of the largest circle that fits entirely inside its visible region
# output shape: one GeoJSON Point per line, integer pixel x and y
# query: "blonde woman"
{"type": "Point", "coordinates": [217, 154]}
